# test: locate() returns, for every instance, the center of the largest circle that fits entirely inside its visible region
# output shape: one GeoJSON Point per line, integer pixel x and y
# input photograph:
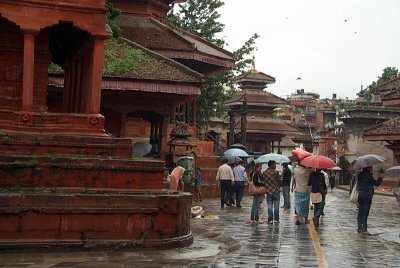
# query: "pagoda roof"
{"type": "Point", "coordinates": [176, 43]}
{"type": "Point", "coordinates": [255, 76]}
{"type": "Point", "coordinates": [269, 126]}
{"type": "Point", "coordinates": [386, 131]}
{"type": "Point", "coordinates": [257, 98]}
{"type": "Point", "coordinates": [129, 66]}
{"type": "Point", "coordinates": [388, 85]}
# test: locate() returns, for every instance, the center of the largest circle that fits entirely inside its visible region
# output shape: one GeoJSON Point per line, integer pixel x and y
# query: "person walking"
{"type": "Point", "coordinates": [197, 185]}
{"type": "Point", "coordinates": [240, 175]}
{"type": "Point", "coordinates": [332, 181]}
{"type": "Point", "coordinates": [272, 181]}
{"type": "Point", "coordinates": [286, 180]}
{"type": "Point", "coordinates": [256, 179]}
{"type": "Point", "coordinates": [301, 193]}
{"type": "Point", "coordinates": [225, 179]}
{"type": "Point", "coordinates": [365, 186]}
{"type": "Point", "coordinates": [318, 187]}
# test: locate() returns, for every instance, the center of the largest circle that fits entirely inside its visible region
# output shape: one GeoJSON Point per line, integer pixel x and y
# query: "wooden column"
{"type": "Point", "coordinates": [28, 71]}
{"type": "Point", "coordinates": [96, 76]}
{"type": "Point", "coordinates": [123, 123]}
{"type": "Point", "coordinates": [186, 112]}
{"type": "Point", "coordinates": [194, 111]}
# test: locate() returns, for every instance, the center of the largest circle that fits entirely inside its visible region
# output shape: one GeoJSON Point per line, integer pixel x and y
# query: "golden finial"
{"type": "Point", "coordinates": [253, 66]}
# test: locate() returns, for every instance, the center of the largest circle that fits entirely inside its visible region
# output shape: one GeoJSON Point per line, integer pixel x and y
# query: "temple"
{"type": "Point", "coordinates": [263, 132]}
{"type": "Point", "coordinates": [67, 135]}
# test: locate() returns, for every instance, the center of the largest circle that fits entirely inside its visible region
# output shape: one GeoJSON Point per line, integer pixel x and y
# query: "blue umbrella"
{"type": "Point", "coordinates": [278, 158]}
{"type": "Point", "coordinates": [393, 171]}
{"type": "Point", "coordinates": [236, 152]}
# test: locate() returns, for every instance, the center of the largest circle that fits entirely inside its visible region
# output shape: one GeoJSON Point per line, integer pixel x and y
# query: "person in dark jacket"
{"type": "Point", "coordinates": [256, 178]}
{"type": "Point", "coordinates": [286, 180]}
{"type": "Point", "coordinates": [318, 188]}
{"type": "Point", "coordinates": [365, 186]}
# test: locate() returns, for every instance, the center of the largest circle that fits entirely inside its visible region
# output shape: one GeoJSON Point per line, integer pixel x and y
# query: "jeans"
{"type": "Point", "coordinates": [225, 186]}
{"type": "Point", "coordinates": [364, 204]}
{"type": "Point", "coordinates": [239, 189]}
{"type": "Point", "coordinates": [318, 207]}
{"type": "Point", "coordinates": [273, 206]}
{"type": "Point", "coordinates": [254, 208]}
{"type": "Point", "coordinates": [286, 196]}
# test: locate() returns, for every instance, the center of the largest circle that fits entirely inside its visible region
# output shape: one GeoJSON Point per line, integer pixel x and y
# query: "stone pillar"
{"type": "Point", "coordinates": [28, 70]}
{"type": "Point", "coordinates": [95, 78]}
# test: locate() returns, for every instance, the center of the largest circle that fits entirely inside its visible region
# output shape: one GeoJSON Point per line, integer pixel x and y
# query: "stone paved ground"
{"type": "Point", "coordinates": [232, 241]}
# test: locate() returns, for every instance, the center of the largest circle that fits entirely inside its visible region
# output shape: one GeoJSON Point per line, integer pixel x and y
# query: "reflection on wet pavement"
{"type": "Point", "coordinates": [226, 238]}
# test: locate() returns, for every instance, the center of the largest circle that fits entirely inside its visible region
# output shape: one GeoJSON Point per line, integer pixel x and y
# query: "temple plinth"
{"type": "Point", "coordinates": [65, 181]}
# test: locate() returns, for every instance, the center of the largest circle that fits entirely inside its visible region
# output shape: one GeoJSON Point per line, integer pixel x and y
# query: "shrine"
{"type": "Point", "coordinates": [64, 180]}
{"type": "Point", "coordinates": [251, 114]}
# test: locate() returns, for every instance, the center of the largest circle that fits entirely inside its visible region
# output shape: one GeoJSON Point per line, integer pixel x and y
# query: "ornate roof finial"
{"type": "Point", "coordinates": [253, 66]}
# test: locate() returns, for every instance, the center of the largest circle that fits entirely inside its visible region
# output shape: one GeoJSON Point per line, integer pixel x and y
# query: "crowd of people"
{"type": "Point", "coordinates": [310, 187]}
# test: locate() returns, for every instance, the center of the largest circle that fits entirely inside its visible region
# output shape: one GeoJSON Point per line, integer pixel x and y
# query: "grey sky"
{"type": "Point", "coordinates": [311, 39]}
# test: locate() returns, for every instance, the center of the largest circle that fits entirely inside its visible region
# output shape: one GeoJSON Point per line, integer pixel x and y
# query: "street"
{"type": "Point", "coordinates": [226, 238]}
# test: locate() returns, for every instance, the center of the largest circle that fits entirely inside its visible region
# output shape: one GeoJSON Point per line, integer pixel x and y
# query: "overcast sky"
{"type": "Point", "coordinates": [335, 46]}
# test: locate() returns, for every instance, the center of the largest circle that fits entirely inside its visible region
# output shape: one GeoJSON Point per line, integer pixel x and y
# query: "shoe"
{"type": "Point", "coordinates": [316, 222]}
{"type": "Point", "coordinates": [238, 206]}
{"type": "Point", "coordinates": [259, 222]}
{"type": "Point", "coordinates": [297, 223]}
{"type": "Point", "coordinates": [276, 221]}
{"type": "Point", "coordinates": [271, 222]}
{"type": "Point", "coordinates": [365, 232]}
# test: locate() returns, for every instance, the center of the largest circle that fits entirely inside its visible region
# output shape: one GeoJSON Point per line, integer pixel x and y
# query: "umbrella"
{"type": "Point", "coordinates": [236, 152]}
{"type": "Point", "coordinates": [141, 149]}
{"type": "Point", "coordinates": [335, 168]}
{"type": "Point", "coordinates": [393, 171]}
{"type": "Point", "coordinates": [237, 146]}
{"type": "Point", "coordinates": [300, 153]}
{"type": "Point", "coordinates": [231, 159]}
{"type": "Point", "coordinates": [278, 158]}
{"type": "Point", "coordinates": [318, 161]}
{"type": "Point", "coordinates": [367, 160]}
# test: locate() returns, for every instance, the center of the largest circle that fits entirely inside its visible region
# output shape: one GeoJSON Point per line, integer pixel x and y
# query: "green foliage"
{"type": "Point", "coordinates": [120, 58]}
{"type": "Point", "coordinates": [55, 68]}
{"type": "Point", "coordinates": [111, 14]}
{"type": "Point", "coordinates": [388, 74]}
{"type": "Point", "coordinates": [200, 18]}
{"type": "Point", "coordinates": [5, 140]}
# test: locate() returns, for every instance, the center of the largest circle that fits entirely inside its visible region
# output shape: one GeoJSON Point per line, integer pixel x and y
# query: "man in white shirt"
{"type": "Point", "coordinates": [240, 175]}
{"type": "Point", "coordinates": [225, 179]}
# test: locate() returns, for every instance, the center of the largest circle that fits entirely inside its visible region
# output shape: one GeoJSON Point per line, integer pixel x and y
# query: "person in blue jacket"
{"type": "Point", "coordinates": [365, 186]}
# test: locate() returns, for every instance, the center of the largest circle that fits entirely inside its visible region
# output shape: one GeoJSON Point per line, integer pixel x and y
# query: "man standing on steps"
{"type": "Point", "coordinates": [224, 180]}
{"type": "Point", "coordinates": [272, 181]}
{"type": "Point", "coordinates": [239, 172]}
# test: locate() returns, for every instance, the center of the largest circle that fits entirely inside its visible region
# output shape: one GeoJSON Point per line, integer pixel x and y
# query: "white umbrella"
{"type": "Point", "coordinates": [278, 158]}
{"type": "Point", "coordinates": [236, 152]}
{"type": "Point", "coordinates": [367, 160]}
{"type": "Point", "coordinates": [393, 171]}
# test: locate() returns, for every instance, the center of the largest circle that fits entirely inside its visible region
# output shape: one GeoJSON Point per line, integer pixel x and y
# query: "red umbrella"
{"type": "Point", "coordinates": [301, 154]}
{"type": "Point", "coordinates": [318, 161]}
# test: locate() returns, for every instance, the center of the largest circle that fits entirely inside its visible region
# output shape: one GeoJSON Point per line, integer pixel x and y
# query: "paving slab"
{"type": "Point", "coordinates": [227, 238]}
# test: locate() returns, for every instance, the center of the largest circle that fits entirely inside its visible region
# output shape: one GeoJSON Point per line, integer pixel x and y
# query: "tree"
{"type": "Point", "coordinates": [200, 17]}
{"type": "Point", "coordinates": [388, 74]}
{"type": "Point", "coordinates": [111, 14]}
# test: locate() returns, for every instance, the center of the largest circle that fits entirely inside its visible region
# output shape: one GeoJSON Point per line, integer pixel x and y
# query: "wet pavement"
{"type": "Point", "coordinates": [226, 238]}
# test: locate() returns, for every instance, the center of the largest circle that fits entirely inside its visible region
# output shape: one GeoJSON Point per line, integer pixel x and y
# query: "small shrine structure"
{"type": "Point", "coordinates": [263, 132]}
